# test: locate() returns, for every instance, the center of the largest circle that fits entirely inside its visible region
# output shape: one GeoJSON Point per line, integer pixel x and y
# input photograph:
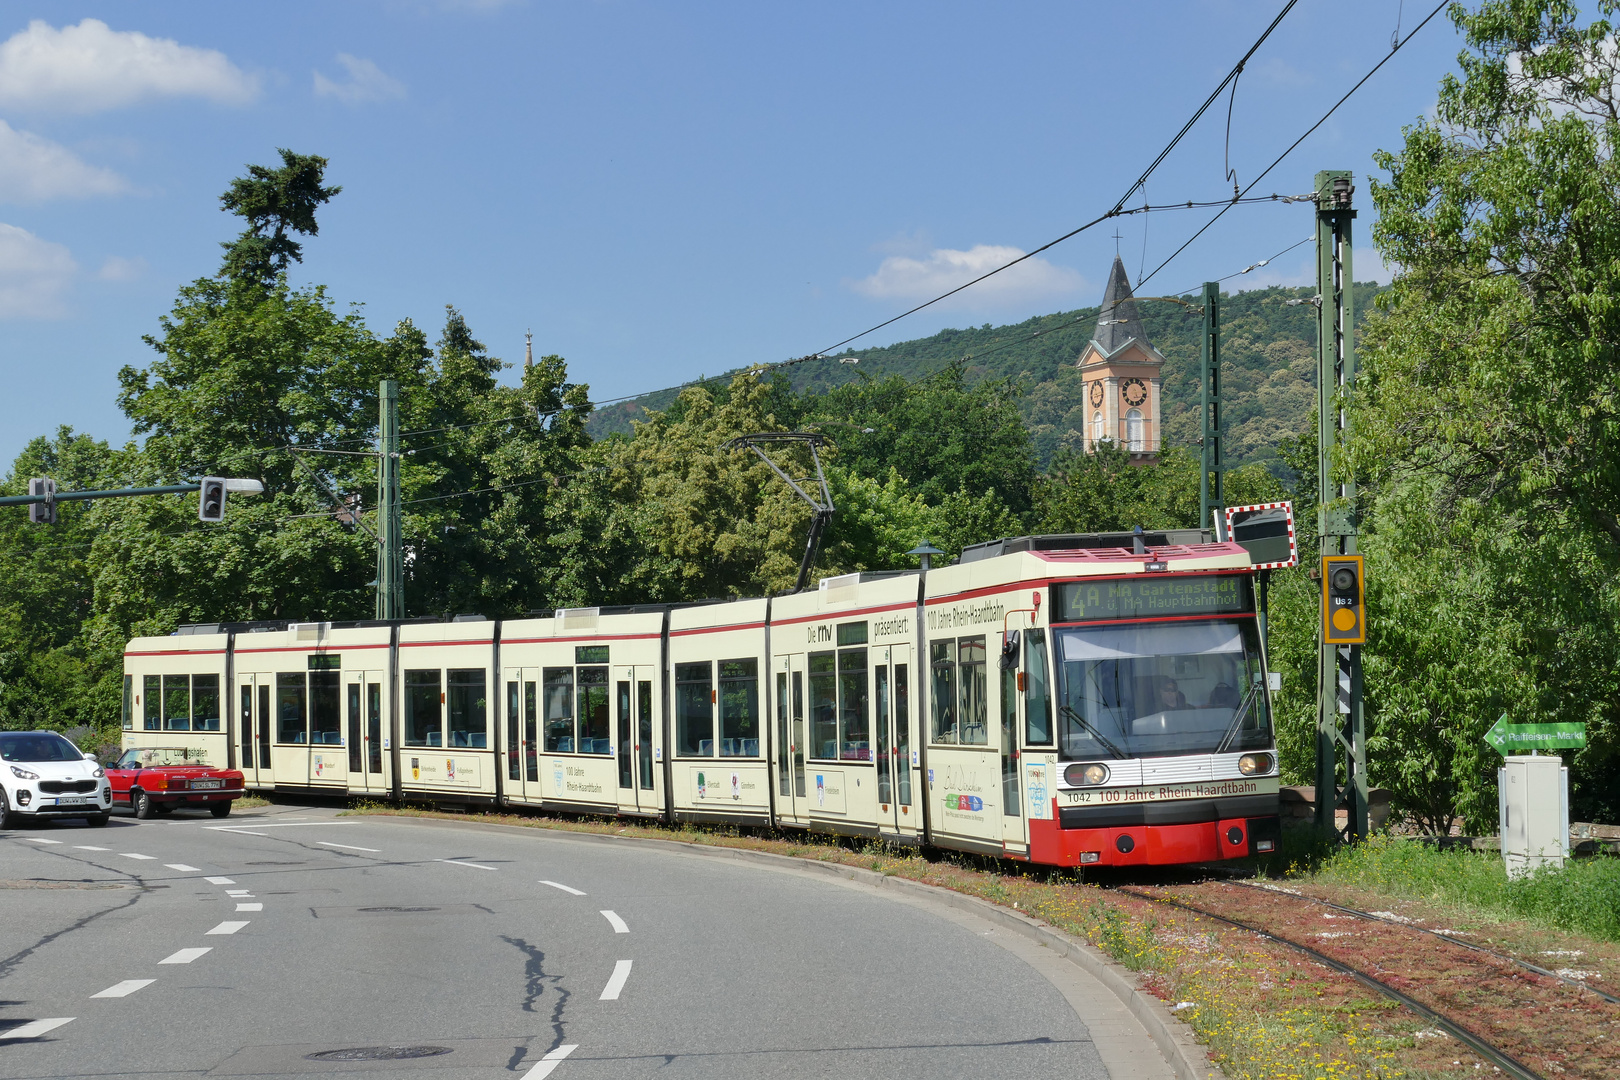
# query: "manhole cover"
{"type": "Point", "coordinates": [378, 1053]}
{"type": "Point", "coordinates": [397, 909]}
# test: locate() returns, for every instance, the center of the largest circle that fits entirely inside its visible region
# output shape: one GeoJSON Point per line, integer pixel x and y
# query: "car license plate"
{"type": "Point", "coordinates": [205, 784]}
{"type": "Point", "coordinates": [70, 802]}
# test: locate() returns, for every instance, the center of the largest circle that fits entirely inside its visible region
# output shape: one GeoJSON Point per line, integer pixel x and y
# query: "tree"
{"type": "Point", "coordinates": [273, 201]}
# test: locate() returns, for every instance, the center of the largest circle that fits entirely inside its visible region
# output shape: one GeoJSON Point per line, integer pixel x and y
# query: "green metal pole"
{"type": "Point", "coordinates": [112, 493]}
{"type": "Point", "coordinates": [390, 568]}
{"type": "Point", "coordinates": [1210, 494]}
{"type": "Point", "coordinates": [1340, 718]}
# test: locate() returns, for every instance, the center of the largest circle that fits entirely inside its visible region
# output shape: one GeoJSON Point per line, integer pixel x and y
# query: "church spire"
{"type": "Point", "coordinates": [1118, 322]}
{"type": "Point", "coordinates": [528, 350]}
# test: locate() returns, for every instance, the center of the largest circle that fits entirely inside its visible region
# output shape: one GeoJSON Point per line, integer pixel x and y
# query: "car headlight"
{"type": "Point", "coordinates": [1251, 764]}
{"type": "Point", "coordinates": [99, 773]}
{"type": "Point", "coordinates": [23, 774]}
{"type": "Point", "coordinates": [1078, 775]}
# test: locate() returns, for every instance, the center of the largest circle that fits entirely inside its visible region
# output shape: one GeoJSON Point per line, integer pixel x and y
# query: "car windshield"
{"type": "Point", "coordinates": [37, 746]}
{"type": "Point", "coordinates": [1157, 689]}
{"type": "Point", "coordinates": [149, 756]}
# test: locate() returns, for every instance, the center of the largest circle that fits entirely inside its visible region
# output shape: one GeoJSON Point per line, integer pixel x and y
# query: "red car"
{"type": "Point", "coordinates": [156, 780]}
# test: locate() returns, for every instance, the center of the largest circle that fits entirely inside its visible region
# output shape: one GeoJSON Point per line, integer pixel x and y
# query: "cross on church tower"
{"type": "Point", "coordinates": [1117, 239]}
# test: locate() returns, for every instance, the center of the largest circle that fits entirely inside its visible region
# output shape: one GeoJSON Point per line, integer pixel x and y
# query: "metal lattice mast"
{"type": "Point", "coordinates": [390, 569]}
{"type": "Point", "coordinates": [1210, 493]}
{"type": "Point", "coordinates": [1339, 718]}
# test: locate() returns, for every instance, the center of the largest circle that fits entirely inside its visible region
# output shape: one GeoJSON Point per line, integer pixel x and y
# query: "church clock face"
{"type": "Point", "coordinates": [1096, 394]}
{"type": "Point", "coordinates": [1134, 392]}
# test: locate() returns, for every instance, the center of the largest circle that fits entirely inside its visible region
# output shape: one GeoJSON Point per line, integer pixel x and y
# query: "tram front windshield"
{"type": "Point", "coordinates": [1159, 689]}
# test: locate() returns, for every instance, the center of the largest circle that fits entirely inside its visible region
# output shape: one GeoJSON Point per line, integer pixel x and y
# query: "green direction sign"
{"type": "Point", "coordinates": [1506, 738]}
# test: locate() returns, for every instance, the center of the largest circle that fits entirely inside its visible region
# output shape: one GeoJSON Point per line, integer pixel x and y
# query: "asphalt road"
{"type": "Point", "coordinates": [188, 946]}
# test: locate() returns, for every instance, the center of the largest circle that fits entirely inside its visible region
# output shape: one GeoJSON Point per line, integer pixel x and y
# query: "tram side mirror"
{"type": "Point", "coordinates": [1009, 651]}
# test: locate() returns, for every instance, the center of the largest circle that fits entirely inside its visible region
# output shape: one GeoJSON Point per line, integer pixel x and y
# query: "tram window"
{"type": "Point", "coordinates": [975, 713]}
{"type": "Point", "coordinates": [590, 654]}
{"type": "Point", "coordinates": [176, 703]}
{"type": "Point", "coordinates": [852, 633]}
{"type": "Point", "coordinates": [1010, 803]}
{"type": "Point", "coordinates": [855, 718]}
{"type": "Point", "coordinates": [355, 742]}
{"type": "Point", "coordinates": [623, 696]}
{"type": "Point", "coordinates": [422, 708]}
{"type": "Point", "coordinates": [943, 654]}
{"type": "Point", "coordinates": [595, 728]}
{"type": "Point", "coordinates": [823, 705]}
{"type": "Point", "coordinates": [290, 715]}
{"type": "Point", "coordinates": [798, 734]}
{"type": "Point", "coordinates": [325, 725]}
{"type": "Point", "coordinates": [264, 725]}
{"type": "Point", "coordinates": [129, 702]}
{"type": "Point", "coordinates": [205, 703]}
{"type": "Point", "coordinates": [739, 708]}
{"type": "Point", "coordinates": [531, 723]}
{"type": "Point", "coordinates": [374, 739]}
{"type": "Point", "coordinates": [247, 726]}
{"type": "Point", "coordinates": [784, 768]}
{"type": "Point", "coordinates": [468, 693]}
{"type": "Point", "coordinates": [694, 710]}
{"type": "Point", "coordinates": [885, 786]}
{"type": "Point", "coordinates": [1037, 702]}
{"type": "Point", "coordinates": [902, 732]}
{"type": "Point", "coordinates": [152, 711]}
{"type": "Point", "coordinates": [514, 725]}
{"type": "Point", "coordinates": [644, 732]}
{"type": "Point", "coordinates": [559, 696]}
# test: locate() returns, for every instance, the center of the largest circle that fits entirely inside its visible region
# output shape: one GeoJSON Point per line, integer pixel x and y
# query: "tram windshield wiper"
{"type": "Point", "coordinates": [1068, 710]}
{"type": "Point", "coordinates": [1237, 719]}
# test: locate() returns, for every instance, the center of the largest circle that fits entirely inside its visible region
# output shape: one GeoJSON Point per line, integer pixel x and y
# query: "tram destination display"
{"type": "Point", "coordinates": [1153, 597]}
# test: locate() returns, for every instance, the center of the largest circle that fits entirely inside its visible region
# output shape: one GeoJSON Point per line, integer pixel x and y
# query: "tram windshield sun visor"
{"type": "Point", "coordinates": [1160, 689]}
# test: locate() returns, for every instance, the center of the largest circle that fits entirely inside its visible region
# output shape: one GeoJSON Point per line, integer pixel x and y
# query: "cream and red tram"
{"type": "Point", "coordinates": [1071, 700]}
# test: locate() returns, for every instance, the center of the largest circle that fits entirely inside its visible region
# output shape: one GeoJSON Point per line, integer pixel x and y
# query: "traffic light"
{"type": "Point", "coordinates": [42, 513]}
{"type": "Point", "coordinates": [1344, 616]}
{"type": "Point", "coordinates": [211, 505]}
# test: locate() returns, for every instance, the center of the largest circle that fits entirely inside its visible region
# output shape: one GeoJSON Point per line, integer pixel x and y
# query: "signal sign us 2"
{"type": "Point", "coordinates": [1344, 617]}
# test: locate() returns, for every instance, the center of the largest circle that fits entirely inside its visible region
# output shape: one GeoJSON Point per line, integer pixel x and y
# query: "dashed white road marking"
{"type": "Point", "coordinates": [616, 981]}
{"type": "Point", "coordinates": [186, 956]}
{"type": "Point", "coordinates": [41, 840]}
{"type": "Point", "coordinates": [227, 927]}
{"type": "Point", "coordinates": [617, 923]}
{"type": "Point", "coordinates": [219, 881]}
{"type": "Point", "coordinates": [89, 847]}
{"type": "Point", "coordinates": [276, 825]}
{"type": "Point", "coordinates": [183, 868]}
{"type": "Point", "coordinates": [124, 989]}
{"type": "Point", "coordinates": [35, 1028]}
{"type": "Point", "coordinates": [475, 866]}
{"type": "Point", "coordinates": [347, 847]}
{"type": "Point", "coordinates": [136, 855]}
{"type": "Point", "coordinates": [559, 885]}
{"type": "Point", "coordinates": [249, 907]}
{"type": "Point", "coordinates": [239, 892]}
{"type": "Point", "coordinates": [543, 1067]}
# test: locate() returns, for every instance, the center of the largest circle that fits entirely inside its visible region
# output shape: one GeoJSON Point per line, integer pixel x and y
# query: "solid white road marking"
{"type": "Point", "coordinates": [35, 1028]}
{"type": "Point", "coordinates": [89, 847]}
{"type": "Point", "coordinates": [41, 840]}
{"type": "Point", "coordinates": [219, 881]}
{"type": "Point", "coordinates": [564, 888]}
{"type": "Point", "coordinates": [186, 956]}
{"type": "Point", "coordinates": [346, 847]}
{"type": "Point", "coordinates": [276, 825]}
{"type": "Point", "coordinates": [617, 923]}
{"type": "Point", "coordinates": [475, 866]}
{"type": "Point", "coordinates": [543, 1067]}
{"type": "Point", "coordinates": [183, 868]}
{"type": "Point", "coordinates": [249, 907]}
{"type": "Point", "coordinates": [136, 855]}
{"type": "Point", "coordinates": [615, 983]}
{"type": "Point", "coordinates": [227, 927]}
{"type": "Point", "coordinates": [124, 989]}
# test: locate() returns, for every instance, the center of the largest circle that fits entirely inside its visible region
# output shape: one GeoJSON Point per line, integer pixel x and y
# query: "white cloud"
{"type": "Point", "coordinates": [34, 275]}
{"type": "Point", "coordinates": [33, 169]}
{"type": "Point", "coordinates": [366, 83]}
{"type": "Point", "coordinates": [118, 268]}
{"type": "Point", "coordinates": [902, 277]}
{"type": "Point", "coordinates": [90, 67]}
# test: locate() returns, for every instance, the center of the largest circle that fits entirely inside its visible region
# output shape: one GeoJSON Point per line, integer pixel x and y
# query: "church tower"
{"type": "Point", "coordinates": [1120, 367]}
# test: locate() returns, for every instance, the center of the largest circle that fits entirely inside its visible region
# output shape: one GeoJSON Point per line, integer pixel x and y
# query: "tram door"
{"type": "Point", "coordinates": [897, 810]}
{"type": "Point", "coordinates": [363, 731]}
{"type": "Point", "coordinates": [633, 742]}
{"type": "Point", "coordinates": [521, 717]}
{"type": "Point", "coordinates": [787, 741]}
{"type": "Point", "coordinates": [1013, 838]}
{"type": "Point", "coordinates": [253, 729]}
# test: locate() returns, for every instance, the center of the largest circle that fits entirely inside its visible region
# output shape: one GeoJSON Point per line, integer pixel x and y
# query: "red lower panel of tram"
{"type": "Point", "coordinates": [1152, 845]}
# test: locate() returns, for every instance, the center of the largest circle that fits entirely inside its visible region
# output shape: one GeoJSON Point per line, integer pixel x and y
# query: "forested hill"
{"type": "Point", "coordinates": [1268, 369]}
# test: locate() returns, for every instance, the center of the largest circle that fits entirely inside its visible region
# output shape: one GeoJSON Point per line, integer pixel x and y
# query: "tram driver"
{"type": "Point", "coordinates": [1167, 696]}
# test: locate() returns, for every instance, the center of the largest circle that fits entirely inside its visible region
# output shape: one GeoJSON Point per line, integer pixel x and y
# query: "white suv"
{"type": "Point", "coordinates": [44, 775]}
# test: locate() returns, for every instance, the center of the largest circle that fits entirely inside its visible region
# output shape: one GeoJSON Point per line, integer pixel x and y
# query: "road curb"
{"type": "Point", "coordinates": [1173, 1037]}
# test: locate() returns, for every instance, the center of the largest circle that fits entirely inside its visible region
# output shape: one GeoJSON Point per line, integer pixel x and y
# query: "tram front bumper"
{"type": "Point", "coordinates": [1159, 834]}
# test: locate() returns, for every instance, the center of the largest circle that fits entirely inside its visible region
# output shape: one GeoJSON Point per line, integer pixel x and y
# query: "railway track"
{"type": "Point", "coordinates": [1479, 1045]}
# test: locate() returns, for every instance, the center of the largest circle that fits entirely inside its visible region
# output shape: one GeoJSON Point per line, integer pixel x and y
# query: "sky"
{"type": "Point", "coordinates": [660, 191]}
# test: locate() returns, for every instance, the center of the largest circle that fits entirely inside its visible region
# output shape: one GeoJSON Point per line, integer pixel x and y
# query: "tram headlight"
{"type": "Point", "coordinates": [1253, 764]}
{"type": "Point", "coordinates": [1078, 775]}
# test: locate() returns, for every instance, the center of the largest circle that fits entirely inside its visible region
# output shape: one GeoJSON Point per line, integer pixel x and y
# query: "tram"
{"type": "Point", "coordinates": [1068, 700]}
